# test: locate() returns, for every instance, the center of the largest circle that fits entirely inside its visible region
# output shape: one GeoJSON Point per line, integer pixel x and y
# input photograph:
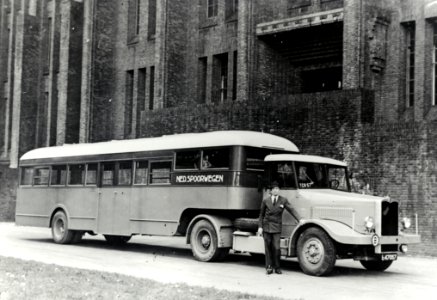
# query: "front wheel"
{"type": "Point", "coordinates": [376, 265]}
{"type": "Point", "coordinates": [60, 232]}
{"type": "Point", "coordinates": [316, 252]}
{"type": "Point", "coordinates": [204, 242]}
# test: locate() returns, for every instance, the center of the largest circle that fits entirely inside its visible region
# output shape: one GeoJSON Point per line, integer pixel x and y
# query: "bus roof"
{"type": "Point", "coordinates": [166, 142]}
{"type": "Point", "coordinates": [305, 158]}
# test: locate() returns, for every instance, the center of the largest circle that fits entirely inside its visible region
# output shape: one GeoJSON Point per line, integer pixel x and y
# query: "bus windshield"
{"type": "Point", "coordinates": [321, 176]}
{"type": "Point", "coordinates": [309, 175]}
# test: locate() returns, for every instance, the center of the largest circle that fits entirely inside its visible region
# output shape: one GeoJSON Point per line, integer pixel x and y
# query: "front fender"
{"type": "Point", "coordinates": [339, 232]}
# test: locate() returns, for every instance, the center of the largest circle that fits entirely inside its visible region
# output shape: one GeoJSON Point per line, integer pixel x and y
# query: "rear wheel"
{"type": "Point", "coordinates": [60, 232]}
{"type": "Point", "coordinates": [117, 240]}
{"type": "Point", "coordinates": [316, 252]}
{"type": "Point", "coordinates": [204, 242]}
{"type": "Point", "coordinates": [376, 265]}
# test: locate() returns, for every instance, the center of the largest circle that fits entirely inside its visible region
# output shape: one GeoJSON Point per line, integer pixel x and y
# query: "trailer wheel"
{"type": "Point", "coordinates": [376, 265]}
{"type": "Point", "coordinates": [316, 252]}
{"type": "Point", "coordinates": [116, 240]}
{"type": "Point", "coordinates": [60, 232]}
{"type": "Point", "coordinates": [204, 242]}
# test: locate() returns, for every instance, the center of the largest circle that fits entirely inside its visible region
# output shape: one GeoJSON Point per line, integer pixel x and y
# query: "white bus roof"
{"type": "Point", "coordinates": [304, 158]}
{"type": "Point", "coordinates": [166, 142]}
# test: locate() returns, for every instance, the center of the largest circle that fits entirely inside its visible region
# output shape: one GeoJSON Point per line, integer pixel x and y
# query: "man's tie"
{"type": "Point", "coordinates": [274, 200]}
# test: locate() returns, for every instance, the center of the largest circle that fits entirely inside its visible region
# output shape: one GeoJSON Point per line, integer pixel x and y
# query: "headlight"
{"type": "Point", "coordinates": [406, 223]}
{"type": "Point", "coordinates": [369, 224]}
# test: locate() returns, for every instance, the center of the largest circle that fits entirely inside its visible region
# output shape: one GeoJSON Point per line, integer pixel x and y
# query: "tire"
{"type": "Point", "coordinates": [117, 240]}
{"type": "Point", "coordinates": [246, 224]}
{"type": "Point", "coordinates": [376, 265]}
{"type": "Point", "coordinates": [316, 252]}
{"type": "Point", "coordinates": [204, 242]}
{"type": "Point", "coordinates": [60, 232]}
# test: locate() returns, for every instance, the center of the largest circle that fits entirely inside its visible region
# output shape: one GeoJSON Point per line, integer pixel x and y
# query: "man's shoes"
{"type": "Point", "coordinates": [278, 271]}
{"type": "Point", "coordinates": [269, 271]}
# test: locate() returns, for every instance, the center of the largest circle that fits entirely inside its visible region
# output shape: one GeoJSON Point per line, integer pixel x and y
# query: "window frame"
{"type": "Point", "coordinates": [34, 172]}
{"type": "Point", "coordinates": [213, 4]}
{"type": "Point", "coordinates": [135, 172]}
{"type": "Point", "coordinates": [97, 174]}
{"type": "Point", "coordinates": [31, 176]}
{"type": "Point", "coordinates": [117, 172]}
{"type": "Point", "coordinates": [51, 175]}
{"type": "Point", "coordinates": [151, 173]}
{"type": "Point", "coordinates": [68, 175]}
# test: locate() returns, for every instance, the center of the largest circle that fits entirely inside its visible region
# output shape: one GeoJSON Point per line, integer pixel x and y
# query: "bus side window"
{"type": "Point", "coordinates": [215, 159]}
{"type": "Point", "coordinates": [59, 175]}
{"type": "Point", "coordinates": [91, 174]}
{"type": "Point", "coordinates": [141, 168]}
{"type": "Point", "coordinates": [108, 170]}
{"type": "Point", "coordinates": [26, 176]}
{"type": "Point", "coordinates": [160, 172]}
{"type": "Point", "coordinates": [125, 173]}
{"type": "Point", "coordinates": [187, 160]}
{"type": "Point", "coordinates": [76, 174]}
{"type": "Point", "coordinates": [41, 176]}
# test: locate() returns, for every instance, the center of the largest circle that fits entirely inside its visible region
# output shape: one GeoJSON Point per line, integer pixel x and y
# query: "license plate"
{"type": "Point", "coordinates": [389, 256]}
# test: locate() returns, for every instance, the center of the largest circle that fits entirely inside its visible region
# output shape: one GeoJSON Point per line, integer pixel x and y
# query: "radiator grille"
{"type": "Point", "coordinates": [389, 218]}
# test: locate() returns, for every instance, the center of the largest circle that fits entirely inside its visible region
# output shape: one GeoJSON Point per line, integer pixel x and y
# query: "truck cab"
{"type": "Point", "coordinates": [334, 222]}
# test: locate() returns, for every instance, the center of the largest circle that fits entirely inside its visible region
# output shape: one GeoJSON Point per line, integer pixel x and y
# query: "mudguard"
{"type": "Point", "coordinates": [222, 226]}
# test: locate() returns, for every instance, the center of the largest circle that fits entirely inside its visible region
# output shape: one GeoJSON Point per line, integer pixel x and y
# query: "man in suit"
{"type": "Point", "coordinates": [270, 226]}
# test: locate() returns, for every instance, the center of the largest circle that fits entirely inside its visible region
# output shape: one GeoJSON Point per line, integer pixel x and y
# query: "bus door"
{"type": "Point", "coordinates": [114, 198]}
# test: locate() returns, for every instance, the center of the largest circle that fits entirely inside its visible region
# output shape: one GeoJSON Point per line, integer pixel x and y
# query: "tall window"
{"type": "Point", "coordinates": [212, 8]}
{"type": "Point", "coordinates": [141, 97]}
{"type": "Point", "coordinates": [133, 20]}
{"type": "Point", "coordinates": [128, 102]}
{"type": "Point", "coordinates": [151, 88]}
{"type": "Point", "coordinates": [231, 8]}
{"type": "Point", "coordinates": [202, 75]}
{"type": "Point", "coordinates": [410, 43]}
{"type": "Point", "coordinates": [151, 23]}
{"type": "Point", "coordinates": [434, 65]}
{"type": "Point", "coordinates": [220, 78]}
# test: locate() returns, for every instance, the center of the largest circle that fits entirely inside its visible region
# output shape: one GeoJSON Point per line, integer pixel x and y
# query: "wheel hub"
{"type": "Point", "coordinates": [205, 241]}
{"type": "Point", "coordinates": [313, 251]}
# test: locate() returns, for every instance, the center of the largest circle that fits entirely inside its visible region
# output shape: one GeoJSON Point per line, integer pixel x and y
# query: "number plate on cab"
{"type": "Point", "coordinates": [389, 256]}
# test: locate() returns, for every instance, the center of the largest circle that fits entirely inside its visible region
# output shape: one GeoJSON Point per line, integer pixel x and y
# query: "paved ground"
{"type": "Point", "coordinates": [170, 260]}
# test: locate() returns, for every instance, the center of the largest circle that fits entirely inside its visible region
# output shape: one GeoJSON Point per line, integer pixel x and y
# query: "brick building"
{"type": "Point", "coordinates": [350, 79]}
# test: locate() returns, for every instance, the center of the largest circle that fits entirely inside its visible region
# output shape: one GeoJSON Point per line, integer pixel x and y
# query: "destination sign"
{"type": "Point", "coordinates": [204, 178]}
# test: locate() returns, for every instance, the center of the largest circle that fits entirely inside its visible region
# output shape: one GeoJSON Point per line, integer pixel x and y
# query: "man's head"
{"type": "Point", "coordinates": [275, 188]}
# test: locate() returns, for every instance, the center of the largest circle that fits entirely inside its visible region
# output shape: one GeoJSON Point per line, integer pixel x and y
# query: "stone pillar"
{"type": "Point", "coordinates": [51, 75]}
{"type": "Point", "coordinates": [18, 75]}
{"type": "Point", "coordinates": [160, 54]}
{"type": "Point", "coordinates": [352, 44]}
{"type": "Point", "coordinates": [63, 72]}
{"type": "Point", "coordinates": [245, 45]}
{"type": "Point", "coordinates": [86, 71]}
{"type": "Point", "coordinates": [9, 79]}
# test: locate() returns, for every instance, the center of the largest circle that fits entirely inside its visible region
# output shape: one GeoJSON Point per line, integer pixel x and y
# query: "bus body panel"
{"type": "Point", "coordinates": [128, 210]}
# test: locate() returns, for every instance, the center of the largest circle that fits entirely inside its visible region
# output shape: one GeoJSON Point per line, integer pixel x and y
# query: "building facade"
{"type": "Point", "coordinates": [350, 79]}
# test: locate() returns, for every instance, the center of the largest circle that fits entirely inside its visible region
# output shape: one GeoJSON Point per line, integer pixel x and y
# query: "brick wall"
{"type": "Point", "coordinates": [8, 180]}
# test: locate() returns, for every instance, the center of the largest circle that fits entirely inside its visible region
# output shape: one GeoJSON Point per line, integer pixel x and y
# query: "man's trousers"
{"type": "Point", "coordinates": [272, 249]}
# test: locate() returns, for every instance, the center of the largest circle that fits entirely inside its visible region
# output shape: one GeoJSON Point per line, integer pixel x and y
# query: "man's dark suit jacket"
{"type": "Point", "coordinates": [270, 217]}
